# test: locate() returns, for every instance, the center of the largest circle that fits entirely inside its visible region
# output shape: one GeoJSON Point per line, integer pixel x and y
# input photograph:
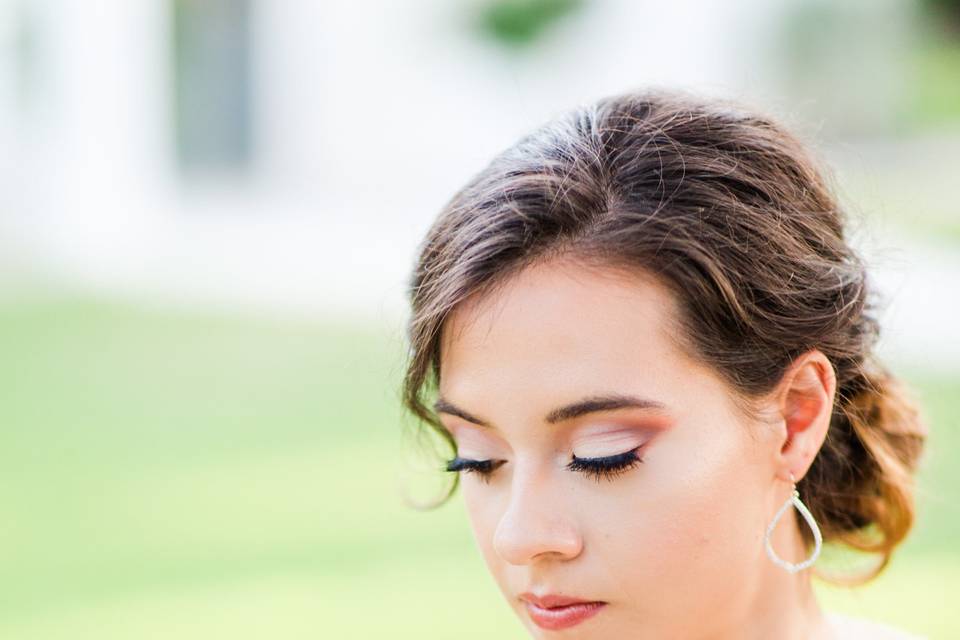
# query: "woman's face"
{"type": "Point", "coordinates": [564, 361]}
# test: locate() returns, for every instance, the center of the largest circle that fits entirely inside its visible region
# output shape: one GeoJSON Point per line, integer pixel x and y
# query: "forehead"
{"type": "Point", "coordinates": [566, 325]}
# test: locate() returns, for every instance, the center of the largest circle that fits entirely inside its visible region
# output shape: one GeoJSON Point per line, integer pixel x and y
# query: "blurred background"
{"type": "Point", "coordinates": [208, 211]}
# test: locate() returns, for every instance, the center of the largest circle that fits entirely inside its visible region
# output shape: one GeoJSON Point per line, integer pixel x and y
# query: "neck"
{"type": "Point", "coordinates": [784, 604]}
{"type": "Point", "coordinates": [787, 608]}
{"type": "Point", "coordinates": [779, 604]}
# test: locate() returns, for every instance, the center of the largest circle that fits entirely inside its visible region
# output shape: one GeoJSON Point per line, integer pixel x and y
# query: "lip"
{"type": "Point", "coordinates": [554, 612]}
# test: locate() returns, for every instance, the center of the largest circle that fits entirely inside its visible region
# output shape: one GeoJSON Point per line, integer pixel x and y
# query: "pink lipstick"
{"type": "Point", "coordinates": [559, 612]}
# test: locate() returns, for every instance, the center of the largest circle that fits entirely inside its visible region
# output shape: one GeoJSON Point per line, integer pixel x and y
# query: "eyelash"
{"type": "Point", "coordinates": [598, 468]}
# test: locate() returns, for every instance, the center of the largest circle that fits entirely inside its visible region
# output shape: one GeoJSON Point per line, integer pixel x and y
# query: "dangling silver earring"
{"type": "Point", "coordinates": [795, 501]}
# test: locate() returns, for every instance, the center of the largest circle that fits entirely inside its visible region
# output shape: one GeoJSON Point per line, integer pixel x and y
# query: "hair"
{"type": "Point", "coordinates": [728, 209]}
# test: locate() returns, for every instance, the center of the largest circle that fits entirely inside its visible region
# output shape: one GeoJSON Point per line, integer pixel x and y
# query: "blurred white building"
{"type": "Point", "coordinates": [290, 154]}
{"type": "Point", "coordinates": [316, 140]}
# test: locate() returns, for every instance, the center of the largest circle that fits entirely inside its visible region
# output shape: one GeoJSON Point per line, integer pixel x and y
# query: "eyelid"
{"type": "Point", "coordinates": [608, 459]}
{"type": "Point", "coordinates": [468, 434]}
{"type": "Point", "coordinates": [607, 466]}
{"type": "Point", "coordinates": [616, 441]}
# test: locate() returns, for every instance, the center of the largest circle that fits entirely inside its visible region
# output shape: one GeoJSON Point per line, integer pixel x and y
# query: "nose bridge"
{"type": "Point", "coordinates": [537, 520]}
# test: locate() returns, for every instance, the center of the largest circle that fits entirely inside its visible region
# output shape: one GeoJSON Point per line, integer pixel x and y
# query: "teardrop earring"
{"type": "Point", "coordinates": [794, 500]}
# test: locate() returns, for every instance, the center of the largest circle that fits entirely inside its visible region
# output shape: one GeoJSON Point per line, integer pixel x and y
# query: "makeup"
{"type": "Point", "coordinates": [556, 612]}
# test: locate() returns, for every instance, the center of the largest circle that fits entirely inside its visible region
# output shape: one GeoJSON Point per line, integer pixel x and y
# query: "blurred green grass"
{"type": "Point", "coordinates": [167, 474]}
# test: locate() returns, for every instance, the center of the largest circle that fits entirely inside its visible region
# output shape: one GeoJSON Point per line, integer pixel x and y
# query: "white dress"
{"type": "Point", "coordinates": [849, 628]}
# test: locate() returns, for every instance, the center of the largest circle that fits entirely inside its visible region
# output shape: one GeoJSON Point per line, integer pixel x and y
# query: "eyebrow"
{"type": "Point", "coordinates": [592, 404]}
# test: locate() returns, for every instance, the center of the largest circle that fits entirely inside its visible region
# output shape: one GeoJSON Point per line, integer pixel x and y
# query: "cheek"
{"type": "Point", "coordinates": [691, 525]}
{"type": "Point", "coordinates": [483, 504]}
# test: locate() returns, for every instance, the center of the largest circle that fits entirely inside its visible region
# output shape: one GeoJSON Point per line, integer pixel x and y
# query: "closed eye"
{"type": "Point", "coordinates": [482, 467]}
{"type": "Point", "coordinates": [603, 467]}
{"type": "Point", "coordinates": [607, 466]}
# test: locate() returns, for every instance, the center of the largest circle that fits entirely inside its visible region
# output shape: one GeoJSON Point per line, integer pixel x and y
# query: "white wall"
{"type": "Point", "coordinates": [368, 116]}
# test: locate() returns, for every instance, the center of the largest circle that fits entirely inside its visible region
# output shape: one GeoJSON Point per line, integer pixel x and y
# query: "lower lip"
{"type": "Point", "coordinates": [562, 617]}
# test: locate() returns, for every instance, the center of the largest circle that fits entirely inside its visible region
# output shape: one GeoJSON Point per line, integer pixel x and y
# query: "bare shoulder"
{"type": "Point", "coordinates": [850, 628]}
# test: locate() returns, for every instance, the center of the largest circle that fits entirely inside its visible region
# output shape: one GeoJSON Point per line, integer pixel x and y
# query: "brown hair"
{"type": "Point", "coordinates": [728, 209]}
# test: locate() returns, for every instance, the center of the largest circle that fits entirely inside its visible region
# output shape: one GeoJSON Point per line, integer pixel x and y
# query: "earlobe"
{"type": "Point", "coordinates": [806, 405]}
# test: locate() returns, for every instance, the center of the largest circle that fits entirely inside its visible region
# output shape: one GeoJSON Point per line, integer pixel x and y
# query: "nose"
{"type": "Point", "coordinates": [536, 523]}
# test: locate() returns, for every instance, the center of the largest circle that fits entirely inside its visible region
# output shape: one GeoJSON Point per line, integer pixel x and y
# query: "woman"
{"type": "Point", "coordinates": [644, 336]}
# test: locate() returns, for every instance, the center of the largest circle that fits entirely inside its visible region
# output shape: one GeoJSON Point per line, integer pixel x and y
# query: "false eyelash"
{"type": "Point", "coordinates": [608, 466]}
{"type": "Point", "coordinates": [481, 467]}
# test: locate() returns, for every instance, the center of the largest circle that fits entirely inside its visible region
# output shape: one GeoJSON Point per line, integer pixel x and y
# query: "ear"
{"type": "Point", "coordinates": [804, 399]}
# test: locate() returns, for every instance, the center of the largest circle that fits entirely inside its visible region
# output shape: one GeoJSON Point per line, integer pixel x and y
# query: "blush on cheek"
{"type": "Point", "coordinates": [710, 551]}
{"type": "Point", "coordinates": [666, 547]}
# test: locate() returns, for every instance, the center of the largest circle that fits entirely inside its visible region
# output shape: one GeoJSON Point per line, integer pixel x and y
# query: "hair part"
{"type": "Point", "coordinates": [725, 207]}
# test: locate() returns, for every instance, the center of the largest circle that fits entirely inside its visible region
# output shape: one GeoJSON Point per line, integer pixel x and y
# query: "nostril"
{"type": "Point", "coordinates": [519, 542]}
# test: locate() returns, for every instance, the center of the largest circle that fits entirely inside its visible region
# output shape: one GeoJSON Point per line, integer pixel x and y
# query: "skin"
{"type": "Point", "coordinates": [674, 545]}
